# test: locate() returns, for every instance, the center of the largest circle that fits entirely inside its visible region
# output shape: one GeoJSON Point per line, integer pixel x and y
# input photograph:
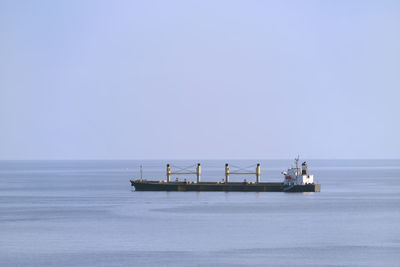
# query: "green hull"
{"type": "Point", "coordinates": [143, 185]}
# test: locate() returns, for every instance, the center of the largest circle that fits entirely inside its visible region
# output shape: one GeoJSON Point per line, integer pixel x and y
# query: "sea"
{"type": "Point", "coordinates": [85, 213]}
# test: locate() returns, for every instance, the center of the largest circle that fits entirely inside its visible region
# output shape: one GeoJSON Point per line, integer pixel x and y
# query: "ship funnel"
{"type": "Point", "coordinates": [304, 168]}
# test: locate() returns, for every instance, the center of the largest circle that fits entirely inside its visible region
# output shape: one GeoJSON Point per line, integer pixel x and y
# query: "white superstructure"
{"type": "Point", "coordinates": [297, 176]}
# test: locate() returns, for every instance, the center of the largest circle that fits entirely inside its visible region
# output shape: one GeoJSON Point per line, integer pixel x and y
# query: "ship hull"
{"type": "Point", "coordinates": [142, 185]}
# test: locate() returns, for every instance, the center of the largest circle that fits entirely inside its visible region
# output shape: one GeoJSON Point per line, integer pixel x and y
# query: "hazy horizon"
{"type": "Point", "coordinates": [196, 160]}
{"type": "Point", "coordinates": [93, 80]}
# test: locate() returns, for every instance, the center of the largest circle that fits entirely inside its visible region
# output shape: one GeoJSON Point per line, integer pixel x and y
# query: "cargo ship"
{"type": "Point", "coordinates": [295, 179]}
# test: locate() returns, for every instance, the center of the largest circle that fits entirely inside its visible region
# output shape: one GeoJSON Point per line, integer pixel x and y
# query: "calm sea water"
{"type": "Point", "coordinates": [85, 213]}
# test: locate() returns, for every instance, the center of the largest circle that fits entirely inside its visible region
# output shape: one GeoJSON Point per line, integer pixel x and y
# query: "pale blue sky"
{"type": "Point", "coordinates": [199, 79]}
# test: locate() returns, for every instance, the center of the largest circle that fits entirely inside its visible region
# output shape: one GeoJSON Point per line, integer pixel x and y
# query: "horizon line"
{"type": "Point", "coordinates": [194, 159]}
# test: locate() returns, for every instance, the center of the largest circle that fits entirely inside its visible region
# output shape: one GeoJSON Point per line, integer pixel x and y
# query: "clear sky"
{"type": "Point", "coordinates": [199, 79]}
